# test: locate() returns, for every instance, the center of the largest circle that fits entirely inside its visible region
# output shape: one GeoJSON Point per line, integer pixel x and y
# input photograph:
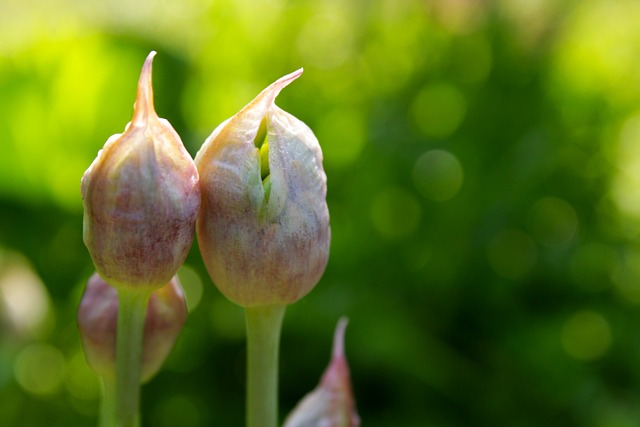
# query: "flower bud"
{"type": "Point", "coordinates": [98, 320]}
{"type": "Point", "coordinates": [141, 198]}
{"type": "Point", "coordinates": [331, 404]}
{"type": "Point", "coordinates": [263, 229]}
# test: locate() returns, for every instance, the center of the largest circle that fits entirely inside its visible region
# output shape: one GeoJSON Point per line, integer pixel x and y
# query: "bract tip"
{"type": "Point", "coordinates": [144, 97]}
{"type": "Point", "coordinates": [338, 338]}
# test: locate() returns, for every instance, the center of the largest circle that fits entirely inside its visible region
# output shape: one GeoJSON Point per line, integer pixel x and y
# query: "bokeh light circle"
{"type": "Point", "coordinates": [586, 335]}
{"type": "Point", "coordinates": [438, 175]}
{"type": "Point", "coordinates": [438, 109]}
{"type": "Point", "coordinates": [39, 369]}
{"type": "Point", "coordinates": [396, 212]}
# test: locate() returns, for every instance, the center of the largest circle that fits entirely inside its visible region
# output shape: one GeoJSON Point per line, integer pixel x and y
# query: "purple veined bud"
{"type": "Point", "coordinates": [98, 320]}
{"type": "Point", "coordinates": [141, 197]}
{"type": "Point", "coordinates": [331, 404]}
{"type": "Point", "coordinates": [263, 229]}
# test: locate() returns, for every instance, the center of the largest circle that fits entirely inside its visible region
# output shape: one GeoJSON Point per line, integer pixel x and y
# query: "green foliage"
{"type": "Point", "coordinates": [483, 184]}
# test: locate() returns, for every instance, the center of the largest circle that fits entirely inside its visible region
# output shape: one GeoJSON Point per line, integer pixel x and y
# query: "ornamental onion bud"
{"type": "Point", "coordinates": [98, 319]}
{"type": "Point", "coordinates": [263, 229]}
{"type": "Point", "coordinates": [331, 404]}
{"type": "Point", "coordinates": [141, 198]}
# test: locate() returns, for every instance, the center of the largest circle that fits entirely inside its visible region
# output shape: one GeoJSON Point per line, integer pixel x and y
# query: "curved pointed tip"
{"type": "Point", "coordinates": [251, 114]}
{"type": "Point", "coordinates": [144, 98]}
{"type": "Point", "coordinates": [338, 338]}
{"type": "Point", "coordinates": [285, 80]}
{"type": "Point", "coordinates": [274, 88]}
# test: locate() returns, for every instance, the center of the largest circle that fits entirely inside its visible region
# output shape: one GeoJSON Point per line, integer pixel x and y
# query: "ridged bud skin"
{"type": "Point", "coordinates": [141, 198]}
{"type": "Point", "coordinates": [263, 229]}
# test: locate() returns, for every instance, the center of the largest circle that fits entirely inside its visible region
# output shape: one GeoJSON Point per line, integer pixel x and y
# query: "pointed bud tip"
{"type": "Point", "coordinates": [337, 373]}
{"type": "Point", "coordinates": [331, 403]}
{"type": "Point", "coordinates": [275, 88]}
{"type": "Point", "coordinates": [144, 98]}
{"type": "Point", "coordinates": [338, 338]}
{"type": "Point", "coordinates": [291, 76]}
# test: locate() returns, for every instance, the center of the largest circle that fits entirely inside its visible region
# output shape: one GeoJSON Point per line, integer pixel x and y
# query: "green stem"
{"type": "Point", "coordinates": [108, 405]}
{"type": "Point", "coordinates": [132, 309]}
{"type": "Point", "coordinates": [263, 341]}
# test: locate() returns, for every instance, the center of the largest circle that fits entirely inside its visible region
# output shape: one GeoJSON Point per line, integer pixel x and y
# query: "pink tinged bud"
{"type": "Point", "coordinates": [98, 320]}
{"type": "Point", "coordinates": [263, 229]}
{"type": "Point", "coordinates": [141, 198]}
{"type": "Point", "coordinates": [331, 404]}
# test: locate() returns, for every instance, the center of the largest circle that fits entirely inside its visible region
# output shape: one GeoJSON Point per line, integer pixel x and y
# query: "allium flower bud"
{"type": "Point", "coordinates": [141, 198]}
{"type": "Point", "coordinates": [98, 320]}
{"type": "Point", "coordinates": [331, 404]}
{"type": "Point", "coordinates": [263, 229]}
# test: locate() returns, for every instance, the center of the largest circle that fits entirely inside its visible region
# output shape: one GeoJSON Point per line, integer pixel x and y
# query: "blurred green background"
{"type": "Point", "coordinates": [483, 162]}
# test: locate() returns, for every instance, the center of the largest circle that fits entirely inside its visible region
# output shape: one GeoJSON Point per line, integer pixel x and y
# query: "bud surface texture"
{"type": "Point", "coordinates": [263, 229]}
{"type": "Point", "coordinates": [141, 198]}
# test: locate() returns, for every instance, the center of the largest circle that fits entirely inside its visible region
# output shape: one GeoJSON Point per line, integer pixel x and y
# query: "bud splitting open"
{"type": "Point", "coordinates": [263, 229]}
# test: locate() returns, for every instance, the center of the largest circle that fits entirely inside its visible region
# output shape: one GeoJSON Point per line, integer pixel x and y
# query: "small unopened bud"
{"type": "Point", "coordinates": [98, 320]}
{"type": "Point", "coordinates": [331, 404]}
{"type": "Point", "coordinates": [141, 198]}
{"type": "Point", "coordinates": [263, 229]}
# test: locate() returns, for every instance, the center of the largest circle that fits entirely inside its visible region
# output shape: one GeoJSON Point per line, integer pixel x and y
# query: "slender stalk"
{"type": "Point", "coordinates": [108, 405]}
{"type": "Point", "coordinates": [132, 308]}
{"type": "Point", "coordinates": [263, 341]}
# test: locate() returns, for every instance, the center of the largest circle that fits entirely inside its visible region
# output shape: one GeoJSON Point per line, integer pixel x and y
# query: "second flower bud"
{"type": "Point", "coordinates": [97, 321]}
{"type": "Point", "coordinates": [263, 229]}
